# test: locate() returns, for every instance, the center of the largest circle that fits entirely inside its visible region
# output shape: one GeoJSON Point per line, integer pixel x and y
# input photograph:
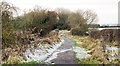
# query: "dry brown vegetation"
{"type": "Point", "coordinates": [10, 54]}
{"type": "Point", "coordinates": [96, 47]}
{"type": "Point", "coordinates": [107, 35]}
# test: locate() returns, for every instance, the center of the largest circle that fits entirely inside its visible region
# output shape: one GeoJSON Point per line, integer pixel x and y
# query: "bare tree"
{"type": "Point", "coordinates": [90, 16]}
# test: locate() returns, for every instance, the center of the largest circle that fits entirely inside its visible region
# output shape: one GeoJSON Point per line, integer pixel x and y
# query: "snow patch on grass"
{"type": "Point", "coordinates": [112, 52]}
{"type": "Point", "coordinates": [80, 53]}
{"type": "Point", "coordinates": [112, 49]}
{"type": "Point", "coordinates": [41, 54]}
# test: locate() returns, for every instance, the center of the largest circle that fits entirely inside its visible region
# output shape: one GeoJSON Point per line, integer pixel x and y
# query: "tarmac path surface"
{"type": "Point", "coordinates": [64, 54]}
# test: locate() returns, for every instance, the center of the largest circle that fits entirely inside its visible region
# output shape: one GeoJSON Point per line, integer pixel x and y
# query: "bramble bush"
{"type": "Point", "coordinates": [107, 35]}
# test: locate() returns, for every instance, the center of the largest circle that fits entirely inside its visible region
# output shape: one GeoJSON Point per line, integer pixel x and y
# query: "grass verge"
{"type": "Point", "coordinates": [98, 56]}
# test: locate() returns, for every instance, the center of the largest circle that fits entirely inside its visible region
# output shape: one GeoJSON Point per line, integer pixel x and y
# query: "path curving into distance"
{"type": "Point", "coordinates": [64, 54]}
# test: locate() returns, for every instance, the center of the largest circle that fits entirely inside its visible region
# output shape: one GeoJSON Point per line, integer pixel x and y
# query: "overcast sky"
{"type": "Point", "coordinates": [107, 10]}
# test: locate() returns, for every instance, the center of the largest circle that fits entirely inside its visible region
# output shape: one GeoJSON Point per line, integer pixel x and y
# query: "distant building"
{"type": "Point", "coordinates": [110, 25]}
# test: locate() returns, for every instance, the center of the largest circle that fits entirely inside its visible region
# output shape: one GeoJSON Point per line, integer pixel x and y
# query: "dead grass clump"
{"type": "Point", "coordinates": [97, 55]}
{"type": "Point", "coordinates": [52, 37]}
